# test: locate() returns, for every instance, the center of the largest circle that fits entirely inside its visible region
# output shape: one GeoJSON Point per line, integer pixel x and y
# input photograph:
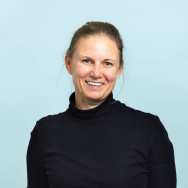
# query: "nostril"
{"type": "Point", "coordinates": [95, 74]}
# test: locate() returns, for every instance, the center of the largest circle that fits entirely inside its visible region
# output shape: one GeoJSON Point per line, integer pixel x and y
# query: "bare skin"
{"type": "Point", "coordinates": [94, 67]}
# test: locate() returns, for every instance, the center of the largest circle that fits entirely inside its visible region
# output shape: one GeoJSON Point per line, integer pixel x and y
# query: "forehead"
{"type": "Point", "coordinates": [97, 45]}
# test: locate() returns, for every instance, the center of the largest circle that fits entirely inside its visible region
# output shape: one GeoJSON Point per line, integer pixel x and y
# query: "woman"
{"type": "Point", "coordinates": [99, 142]}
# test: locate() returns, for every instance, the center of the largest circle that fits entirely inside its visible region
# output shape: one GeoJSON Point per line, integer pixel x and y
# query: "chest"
{"type": "Point", "coordinates": [109, 158]}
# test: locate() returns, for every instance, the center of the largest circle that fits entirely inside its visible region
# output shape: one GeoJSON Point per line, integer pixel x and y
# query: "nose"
{"type": "Point", "coordinates": [96, 71]}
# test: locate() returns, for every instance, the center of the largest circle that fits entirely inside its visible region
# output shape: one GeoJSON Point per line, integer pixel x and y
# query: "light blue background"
{"type": "Point", "coordinates": [33, 81]}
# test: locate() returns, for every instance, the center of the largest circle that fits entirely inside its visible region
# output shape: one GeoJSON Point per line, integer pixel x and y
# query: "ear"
{"type": "Point", "coordinates": [120, 71]}
{"type": "Point", "coordinates": [68, 64]}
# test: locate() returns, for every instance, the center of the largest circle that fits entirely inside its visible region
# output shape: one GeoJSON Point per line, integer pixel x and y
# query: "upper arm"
{"type": "Point", "coordinates": [35, 167]}
{"type": "Point", "coordinates": [162, 162]}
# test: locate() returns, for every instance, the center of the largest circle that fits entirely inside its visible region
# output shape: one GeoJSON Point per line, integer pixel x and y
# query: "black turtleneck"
{"type": "Point", "coordinates": [109, 146]}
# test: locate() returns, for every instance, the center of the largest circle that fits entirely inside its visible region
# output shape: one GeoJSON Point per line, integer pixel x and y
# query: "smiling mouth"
{"type": "Point", "coordinates": [94, 83]}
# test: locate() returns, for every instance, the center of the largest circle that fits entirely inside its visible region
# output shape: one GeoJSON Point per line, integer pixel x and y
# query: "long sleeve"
{"type": "Point", "coordinates": [109, 146]}
{"type": "Point", "coordinates": [162, 163]}
{"type": "Point", "coordinates": [35, 171]}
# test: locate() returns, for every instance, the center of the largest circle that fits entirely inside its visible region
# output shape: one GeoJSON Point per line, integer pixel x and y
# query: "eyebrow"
{"type": "Point", "coordinates": [108, 59]}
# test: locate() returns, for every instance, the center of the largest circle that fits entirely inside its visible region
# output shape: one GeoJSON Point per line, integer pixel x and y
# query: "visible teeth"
{"type": "Point", "coordinates": [94, 83]}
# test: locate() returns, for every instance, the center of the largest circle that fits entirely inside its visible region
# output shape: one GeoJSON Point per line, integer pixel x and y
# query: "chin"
{"type": "Point", "coordinates": [95, 96]}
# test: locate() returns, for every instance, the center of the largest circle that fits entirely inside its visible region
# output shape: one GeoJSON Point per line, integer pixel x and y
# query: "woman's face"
{"type": "Point", "coordinates": [94, 66]}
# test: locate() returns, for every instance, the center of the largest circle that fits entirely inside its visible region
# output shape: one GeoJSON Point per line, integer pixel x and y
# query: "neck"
{"type": "Point", "coordinates": [86, 104]}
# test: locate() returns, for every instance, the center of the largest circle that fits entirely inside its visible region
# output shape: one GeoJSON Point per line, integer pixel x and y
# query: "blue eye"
{"type": "Point", "coordinates": [86, 61]}
{"type": "Point", "coordinates": [109, 64]}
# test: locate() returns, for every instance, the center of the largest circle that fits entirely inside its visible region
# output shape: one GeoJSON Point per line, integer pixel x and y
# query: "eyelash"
{"type": "Point", "coordinates": [88, 61]}
{"type": "Point", "coordinates": [108, 63]}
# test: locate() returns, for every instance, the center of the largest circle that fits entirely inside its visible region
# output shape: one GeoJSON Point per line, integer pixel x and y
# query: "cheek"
{"type": "Point", "coordinates": [80, 72]}
{"type": "Point", "coordinates": [111, 76]}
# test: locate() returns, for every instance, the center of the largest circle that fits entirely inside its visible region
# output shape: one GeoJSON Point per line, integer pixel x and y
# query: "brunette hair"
{"type": "Point", "coordinates": [97, 27]}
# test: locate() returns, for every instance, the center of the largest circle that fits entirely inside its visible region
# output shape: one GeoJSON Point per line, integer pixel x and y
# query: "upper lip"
{"type": "Point", "coordinates": [94, 81]}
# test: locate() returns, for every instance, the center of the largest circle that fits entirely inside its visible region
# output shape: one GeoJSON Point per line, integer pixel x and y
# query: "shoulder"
{"type": "Point", "coordinates": [147, 126]}
{"type": "Point", "coordinates": [143, 120]}
{"type": "Point", "coordinates": [133, 113]}
{"type": "Point", "coordinates": [48, 123]}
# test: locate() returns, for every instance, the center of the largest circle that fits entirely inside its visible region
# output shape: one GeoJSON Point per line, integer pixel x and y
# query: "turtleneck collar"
{"type": "Point", "coordinates": [93, 112]}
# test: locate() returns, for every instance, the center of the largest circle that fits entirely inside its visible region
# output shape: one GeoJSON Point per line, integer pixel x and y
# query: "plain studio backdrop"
{"type": "Point", "coordinates": [34, 36]}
